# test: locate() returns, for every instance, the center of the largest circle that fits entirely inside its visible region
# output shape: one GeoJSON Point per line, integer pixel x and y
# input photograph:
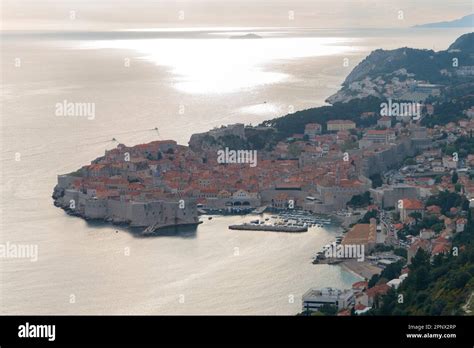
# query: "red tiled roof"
{"type": "Point", "coordinates": [381, 289]}
{"type": "Point", "coordinates": [412, 204]}
{"type": "Point", "coordinates": [359, 307]}
{"type": "Point", "coordinates": [440, 248]}
{"type": "Point", "coordinates": [361, 284]}
{"type": "Point", "coordinates": [398, 226]}
{"type": "Point", "coordinates": [420, 243]}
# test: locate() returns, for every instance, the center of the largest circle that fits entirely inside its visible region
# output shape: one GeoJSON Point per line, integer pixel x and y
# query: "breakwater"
{"type": "Point", "coordinates": [272, 228]}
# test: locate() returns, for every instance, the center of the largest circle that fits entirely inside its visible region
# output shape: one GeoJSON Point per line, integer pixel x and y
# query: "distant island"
{"type": "Point", "coordinates": [246, 36]}
{"type": "Point", "coordinates": [464, 22]}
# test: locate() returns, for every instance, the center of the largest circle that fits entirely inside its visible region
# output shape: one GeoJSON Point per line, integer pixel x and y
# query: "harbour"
{"type": "Point", "coordinates": [284, 221]}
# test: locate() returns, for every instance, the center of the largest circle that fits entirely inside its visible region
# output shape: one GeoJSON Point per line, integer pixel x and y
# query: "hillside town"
{"type": "Point", "coordinates": [423, 204]}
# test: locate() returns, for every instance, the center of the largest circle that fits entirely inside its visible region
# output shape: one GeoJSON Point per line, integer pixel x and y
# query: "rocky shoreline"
{"type": "Point", "coordinates": [151, 216]}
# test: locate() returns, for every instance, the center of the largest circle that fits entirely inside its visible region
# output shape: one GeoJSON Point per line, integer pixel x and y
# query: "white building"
{"type": "Point", "coordinates": [313, 299]}
{"type": "Point", "coordinates": [449, 162]}
{"type": "Point", "coordinates": [394, 283]}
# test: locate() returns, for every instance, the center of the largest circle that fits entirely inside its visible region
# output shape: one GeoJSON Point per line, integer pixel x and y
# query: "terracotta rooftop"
{"type": "Point", "coordinates": [361, 284]}
{"type": "Point", "coordinates": [412, 204]}
{"type": "Point", "coordinates": [361, 234]}
{"type": "Point", "coordinates": [381, 289]}
{"type": "Point", "coordinates": [359, 307]}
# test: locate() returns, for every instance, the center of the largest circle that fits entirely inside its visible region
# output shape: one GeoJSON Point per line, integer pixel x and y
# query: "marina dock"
{"type": "Point", "coordinates": [272, 228]}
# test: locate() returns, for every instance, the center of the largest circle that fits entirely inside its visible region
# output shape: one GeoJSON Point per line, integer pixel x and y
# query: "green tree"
{"type": "Point", "coordinates": [417, 216]}
{"type": "Point", "coordinates": [359, 201]}
{"type": "Point", "coordinates": [373, 281]}
{"type": "Point", "coordinates": [401, 252]}
{"type": "Point", "coordinates": [369, 215]}
{"type": "Point", "coordinates": [376, 180]}
{"type": "Point", "coordinates": [388, 303]}
{"type": "Point", "coordinates": [458, 187]}
{"type": "Point", "coordinates": [454, 178]}
{"type": "Point", "coordinates": [421, 259]}
{"type": "Point", "coordinates": [328, 309]}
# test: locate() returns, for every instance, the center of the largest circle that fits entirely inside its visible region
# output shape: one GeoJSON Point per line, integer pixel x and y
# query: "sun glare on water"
{"type": "Point", "coordinates": [216, 66]}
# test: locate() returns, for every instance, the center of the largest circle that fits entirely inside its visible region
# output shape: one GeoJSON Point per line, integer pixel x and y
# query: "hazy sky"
{"type": "Point", "coordinates": [130, 14]}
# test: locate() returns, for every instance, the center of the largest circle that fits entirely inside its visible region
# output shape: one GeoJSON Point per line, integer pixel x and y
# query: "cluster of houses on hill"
{"type": "Point", "coordinates": [434, 240]}
{"type": "Point", "coordinates": [404, 218]}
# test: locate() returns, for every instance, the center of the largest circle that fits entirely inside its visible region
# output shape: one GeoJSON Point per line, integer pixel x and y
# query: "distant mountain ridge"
{"type": "Point", "coordinates": [464, 22]}
{"type": "Point", "coordinates": [464, 43]}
